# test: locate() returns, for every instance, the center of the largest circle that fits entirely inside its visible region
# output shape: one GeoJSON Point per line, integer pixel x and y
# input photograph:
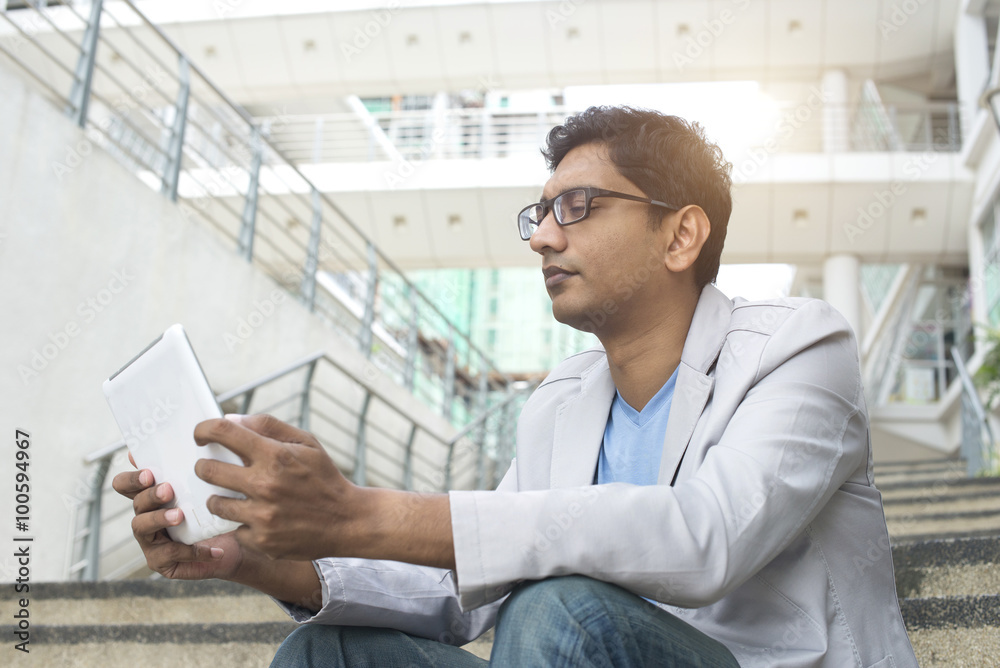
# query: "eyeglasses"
{"type": "Point", "coordinates": [571, 207]}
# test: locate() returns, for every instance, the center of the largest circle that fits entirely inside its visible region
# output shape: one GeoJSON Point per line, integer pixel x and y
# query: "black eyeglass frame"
{"type": "Point", "coordinates": [527, 226]}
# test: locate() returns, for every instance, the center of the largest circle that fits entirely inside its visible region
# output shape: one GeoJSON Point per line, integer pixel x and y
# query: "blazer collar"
{"type": "Point", "coordinates": [580, 421]}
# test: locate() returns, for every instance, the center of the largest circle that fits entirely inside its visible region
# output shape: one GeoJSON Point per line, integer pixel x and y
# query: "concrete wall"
{"type": "Point", "coordinates": [93, 266]}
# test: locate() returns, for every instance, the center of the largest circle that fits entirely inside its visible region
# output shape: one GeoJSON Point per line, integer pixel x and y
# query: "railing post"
{"type": "Point", "coordinates": [953, 140]}
{"type": "Point", "coordinates": [175, 148]}
{"type": "Point", "coordinates": [447, 466]}
{"type": "Point", "coordinates": [408, 459]}
{"type": "Point", "coordinates": [412, 341]}
{"type": "Point", "coordinates": [312, 260]}
{"type": "Point", "coordinates": [250, 204]}
{"type": "Point", "coordinates": [481, 400]}
{"type": "Point", "coordinates": [304, 404]}
{"type": "Point", "coordinates": [245, 405]}
{"type": "Point", "coordinates": [365, 336]}
{"type": "Point", "coordinates": [93, 545]}
{"type": "Point", "coordinates": [449, 374]}
{"type": "Point", "coordinates": [79, 97]}
{"type": "Point", "coordinates": [978, 441]}
{"type": "Point", "coordinates": [360, 467]}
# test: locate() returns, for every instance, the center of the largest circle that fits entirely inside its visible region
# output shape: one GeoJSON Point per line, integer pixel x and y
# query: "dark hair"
{"type": "Point", "coordinates": [667, 157]}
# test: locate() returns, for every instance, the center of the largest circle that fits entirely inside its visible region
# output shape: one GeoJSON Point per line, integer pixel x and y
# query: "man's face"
{"type": "Point", "coordinates": [599, 271]}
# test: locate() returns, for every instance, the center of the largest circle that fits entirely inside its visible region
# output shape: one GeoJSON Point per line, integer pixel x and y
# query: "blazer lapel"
{"type": "Point", "coordinates": [579, 428]}
{"type": "Point", "coordinates": [691, 393]}
{"type": "Point", "coordinates": [705, 338]}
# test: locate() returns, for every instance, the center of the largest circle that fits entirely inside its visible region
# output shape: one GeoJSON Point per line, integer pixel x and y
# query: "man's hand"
{"type": "Point", "coordinates": [218, 557]}
{"type": "Point", "coordinates": [294, 491]}
{"type": "Point", "coordinates": [299, 506]}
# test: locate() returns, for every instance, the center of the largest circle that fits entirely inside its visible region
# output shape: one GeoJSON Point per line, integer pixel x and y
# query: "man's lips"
{"type": "Point", "coordinates": [556, 275]}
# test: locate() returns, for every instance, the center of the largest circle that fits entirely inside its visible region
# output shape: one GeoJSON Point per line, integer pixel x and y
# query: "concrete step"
{"type": "Point", "coordinates": [930, 476]}
{"type": "Point", "coordinates": [915, 528]}
{"type": "Point", "coordinates": [919, 465]}
{"type": "Point", "coordinates": [153, 622]}
{"type": "Point", "coordinates": [942, 486]}
{"type": "Point", "coordinates": [957, 567]}
{"type": "Point", "coordinates": [950, 591]}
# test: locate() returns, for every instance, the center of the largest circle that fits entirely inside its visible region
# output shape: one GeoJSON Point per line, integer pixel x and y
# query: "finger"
{"type": "Point", "coordinates": [223, 474]}
{"type": "Point", "coordinates": [146, 525]}
{"type": "Point", "coordinates": [229, 434]}
{"type": "Point", "coordinates": [227, 508]}
{"type": "Point", "coordinates": [272, 427]}
{"type": "Point", "coordinates": [152, 499]}
{"type": "Point", "coordinates": [130, 483]}
{"type": "Point", "coordinates": [132, 460]}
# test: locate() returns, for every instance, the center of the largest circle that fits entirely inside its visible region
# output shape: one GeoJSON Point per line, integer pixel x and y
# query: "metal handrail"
{"type": "Point", "coordinates": [488, 132]}
{"type": "Point", "coordinates": [978, 442]}
{"type": "Point", "coordinates": [87, 542]}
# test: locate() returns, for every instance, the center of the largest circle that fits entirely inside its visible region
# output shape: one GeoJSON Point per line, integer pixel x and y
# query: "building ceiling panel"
{"type": "Point", "coordinates": [797, 34]}
{"type": "Point", "coordinates": [402, 227]}
{"type": "Point", "coordinates": [858, 222]}
{"type": "Point", "coordinates": [467, 46]}
{"type": "Point", "coordinates": [520, 34]}
{"type": "Point", "coordinates": [500, 207]}
{"type": "Point", "coordinates": [413, 39]}
{"type": "Point", "coordinates": [857, 20]}
{"type": "Point", "coordinates": [919, 217]}
{"type": "Point", "coordinates": [210, 47]}
{"type": "Point", "coordinates": [748, 234]}
{"type": "Point", "coordinates": [262, 65]}
{"type": "Point", "coordinates": [574, 35]}
{"type": "Point", "coordinates": [906, 29]}
{"type": "Point", "coordinates": [740, 33]}
{"type": "Point", "coordinates": [801, 221]}
{"type": "Point", "coordinates": [313, 54]}
{"type": "Point", "coordinates": [364, 57]}
{"type": "Point", "coordinates": [629, 37]}
{"type": "Point", "coordinates": [356, 206]}
{"type": "Point", "coordinates": [455, 225]}
{"type": "Point", "coordinates": [682, 58]}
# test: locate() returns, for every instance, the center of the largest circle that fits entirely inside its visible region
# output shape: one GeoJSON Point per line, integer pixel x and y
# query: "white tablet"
{"type": "Point", "coordinates": [157, 399]}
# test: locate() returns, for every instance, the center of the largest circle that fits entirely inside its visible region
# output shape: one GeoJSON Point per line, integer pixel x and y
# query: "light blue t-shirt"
{"type": "Point", "coordinates": [633, 440]}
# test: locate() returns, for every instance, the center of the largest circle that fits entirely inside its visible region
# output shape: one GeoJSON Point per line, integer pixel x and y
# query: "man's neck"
{"type": "Point", "coordinates": [643, 356]}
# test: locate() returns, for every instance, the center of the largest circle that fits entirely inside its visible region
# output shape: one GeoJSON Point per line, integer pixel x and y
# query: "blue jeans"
{"type": "Point", "coordinates": [569, 622]}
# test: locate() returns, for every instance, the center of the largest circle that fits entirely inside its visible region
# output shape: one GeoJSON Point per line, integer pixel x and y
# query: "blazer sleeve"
{"type": "Point", "coordinates": [794, 439]}
{"type": "Point", "coordinates": [418, 600]}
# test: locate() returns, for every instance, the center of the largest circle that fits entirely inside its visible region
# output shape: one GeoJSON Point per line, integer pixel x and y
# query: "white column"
{"type": "Point", "coordinates": [842, 288]}
{"type": "Point", "coordinates": [977, 274]}
{"type": "Point", "coordinates": [836, 125]}
{"type": "Point", "coordinates": [972, 66]}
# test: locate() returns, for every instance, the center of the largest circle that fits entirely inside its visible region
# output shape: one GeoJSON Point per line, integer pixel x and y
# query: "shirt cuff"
{"type": "Point", "coordinates": [331, 609]}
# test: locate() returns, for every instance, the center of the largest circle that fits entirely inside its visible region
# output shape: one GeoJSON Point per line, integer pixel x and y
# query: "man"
{"type": "Point", "coordinates": [704, 479]}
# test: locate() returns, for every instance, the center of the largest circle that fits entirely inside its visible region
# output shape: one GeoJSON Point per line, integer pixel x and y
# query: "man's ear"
{"type": "Point", "coordinates": [689, 230]}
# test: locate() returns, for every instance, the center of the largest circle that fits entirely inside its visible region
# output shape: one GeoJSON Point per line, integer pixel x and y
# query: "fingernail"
{"type": "Point", "coordinates": [173, 515]}
{"type": "Point", "coordinates": [145, 477]}
{"type": "Point", "coordinates": [234, 417]}
{"type": "Point", "coordinates": [161, 492]}
{"type": "Point", "coordinates": [217, 552]}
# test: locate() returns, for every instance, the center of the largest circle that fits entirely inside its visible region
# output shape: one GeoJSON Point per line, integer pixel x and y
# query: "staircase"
{"type": "Point", "coordinates": [945, 534]}
{"type": "Point", "coordinates": [945, 531]}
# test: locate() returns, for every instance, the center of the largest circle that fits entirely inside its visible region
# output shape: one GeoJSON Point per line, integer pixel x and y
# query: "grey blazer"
{"type": "Point", "coordinates": [765, 531]}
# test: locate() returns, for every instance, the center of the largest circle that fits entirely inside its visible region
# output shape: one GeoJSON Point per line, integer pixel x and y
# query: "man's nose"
{"type": "Point", "coordinates": [548, 234]}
